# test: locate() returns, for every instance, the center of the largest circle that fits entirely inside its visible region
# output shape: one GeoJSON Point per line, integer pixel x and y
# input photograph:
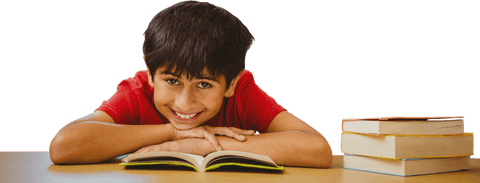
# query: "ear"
{"type": "Point", "coordinates": [150, 81]}
{"type": "Point", "coordinates": [231, 90]}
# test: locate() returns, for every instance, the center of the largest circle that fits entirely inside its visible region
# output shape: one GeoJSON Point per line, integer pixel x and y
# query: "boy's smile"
{"type": "Point", "coordinates": [184, 117]}
{"type": "Point", "coordinates": [188, 102]}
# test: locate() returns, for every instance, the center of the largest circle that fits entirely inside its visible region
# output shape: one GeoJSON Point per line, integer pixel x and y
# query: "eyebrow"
{"type": "Point", "coordinates": [207, 77]}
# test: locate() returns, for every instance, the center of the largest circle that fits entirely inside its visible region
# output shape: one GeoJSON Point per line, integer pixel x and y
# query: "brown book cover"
{"type": "Point", "coordinates": [446, 125]}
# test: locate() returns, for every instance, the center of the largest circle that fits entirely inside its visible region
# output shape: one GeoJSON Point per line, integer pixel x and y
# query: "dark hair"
{"type": "Point", "coordinates": [191, 36]}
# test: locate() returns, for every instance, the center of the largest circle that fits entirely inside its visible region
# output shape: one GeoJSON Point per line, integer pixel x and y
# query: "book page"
{"type": "Point", "coordinates": [219, 155]}
{"type": "Point", "coordinates": [192, 159]}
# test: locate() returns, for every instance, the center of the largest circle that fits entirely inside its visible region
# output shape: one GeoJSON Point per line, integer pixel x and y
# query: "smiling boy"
{"type": "Point", "coordinates": [196, 97]}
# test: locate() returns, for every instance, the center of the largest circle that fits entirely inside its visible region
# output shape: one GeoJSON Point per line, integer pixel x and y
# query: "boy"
{"type": "Point", "coordinates": [195, 88]}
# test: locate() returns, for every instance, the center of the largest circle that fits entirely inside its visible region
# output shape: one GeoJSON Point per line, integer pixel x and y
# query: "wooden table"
{"type": "Point", "coordinates": [37, 167]}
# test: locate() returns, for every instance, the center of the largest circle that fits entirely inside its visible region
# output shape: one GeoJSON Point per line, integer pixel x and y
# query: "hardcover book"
{"type": "Point", "coordinates": [407, 146]}
{"type": "Point", "coordinates": [406, 167]}
{"type": "Point", "coordinates": [406, 125]}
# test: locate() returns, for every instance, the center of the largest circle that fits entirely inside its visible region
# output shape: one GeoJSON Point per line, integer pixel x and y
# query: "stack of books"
{"type": "Point", "coordinates": [406, 146]}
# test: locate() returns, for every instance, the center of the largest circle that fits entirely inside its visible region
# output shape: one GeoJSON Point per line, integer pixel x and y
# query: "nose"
{"type": "Point", "coordinates": [185, 100]}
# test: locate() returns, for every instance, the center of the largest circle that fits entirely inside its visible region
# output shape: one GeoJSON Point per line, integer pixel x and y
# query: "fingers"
{"type": "Point", "coordinates": [151, 148]}
{"type": "Point", "coordinates": [225, 132]}
{"type": "Point", "coordinates": [212, 139]}
{"type": "Point", "coordinates": [233, 132]}
{"type": "Point", "coordinates": [209, 133]}
{"type": "Point", "coordinates": [242, 131]}
{"type": "Point", "coordinates": [197, 132]}
{"type": "Point", "coordinates": [143, 150]}
{"type": "Point", "coordinates": [166, 146]}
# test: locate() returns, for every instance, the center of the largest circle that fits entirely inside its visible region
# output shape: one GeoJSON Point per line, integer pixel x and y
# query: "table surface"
{"type": "Point", "coordinates": [37, 167]}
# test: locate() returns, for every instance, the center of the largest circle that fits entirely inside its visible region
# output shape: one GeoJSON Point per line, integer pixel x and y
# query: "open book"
{"type": "Point", "coordinates": [199, 163]}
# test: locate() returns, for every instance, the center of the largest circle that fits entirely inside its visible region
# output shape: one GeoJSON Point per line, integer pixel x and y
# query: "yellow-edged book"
{"type": "Point", "coordinates": [407, 146]}
{"type": "Point", "coordinates": [199, 163]}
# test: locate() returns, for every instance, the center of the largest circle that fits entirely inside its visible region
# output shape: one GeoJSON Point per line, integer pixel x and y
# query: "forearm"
{"type": "Point", "coordinates": [93, 142]}
{"type": "Point", "coordinates": [291, 148]}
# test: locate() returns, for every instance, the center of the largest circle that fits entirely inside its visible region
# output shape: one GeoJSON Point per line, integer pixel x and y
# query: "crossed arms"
{"type": "Point", "coordinates": [95, 138]}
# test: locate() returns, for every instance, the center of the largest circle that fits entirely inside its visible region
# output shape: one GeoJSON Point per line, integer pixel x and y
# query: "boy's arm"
{"type": "Point", "coordinates": [96, 138]}
{"type": "Point", "coordinates": [288, 141]}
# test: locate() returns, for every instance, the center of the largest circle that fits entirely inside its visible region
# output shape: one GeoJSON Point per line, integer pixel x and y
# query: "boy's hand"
{"type": "Point", "coordinates": [209, 133]}
{"type": "Point", "coordinates": [197, 146]}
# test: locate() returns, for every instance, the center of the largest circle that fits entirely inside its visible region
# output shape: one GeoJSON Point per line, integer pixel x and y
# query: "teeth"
{"type": "Point", "coordinates": [185, 116]}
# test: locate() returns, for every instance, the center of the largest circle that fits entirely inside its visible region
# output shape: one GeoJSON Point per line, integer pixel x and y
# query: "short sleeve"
{"type": "Point", "coordinates": [256, 109]}
{"type": "Point", "coordinates": [121, 105]}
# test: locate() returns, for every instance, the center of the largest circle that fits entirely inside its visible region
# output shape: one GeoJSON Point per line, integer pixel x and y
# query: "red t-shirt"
{"type": "Point", "coordinates": [249, 107]}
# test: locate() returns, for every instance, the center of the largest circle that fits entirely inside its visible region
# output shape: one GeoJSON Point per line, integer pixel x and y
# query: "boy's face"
{"type": "Point", "coordinates": [189, 103]}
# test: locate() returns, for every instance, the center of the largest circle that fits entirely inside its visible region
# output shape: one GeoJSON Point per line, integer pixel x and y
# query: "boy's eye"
{"type": "Point", "coordinates": [204, 85]}
{"type": "Point", "coordinates": [172, 81]}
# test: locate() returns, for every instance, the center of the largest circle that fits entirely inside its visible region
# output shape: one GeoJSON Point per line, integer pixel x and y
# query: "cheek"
{"type": "Point", "coordinates": [162, 96]}
{"type": "Point", "coordinates": [212, 100]}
